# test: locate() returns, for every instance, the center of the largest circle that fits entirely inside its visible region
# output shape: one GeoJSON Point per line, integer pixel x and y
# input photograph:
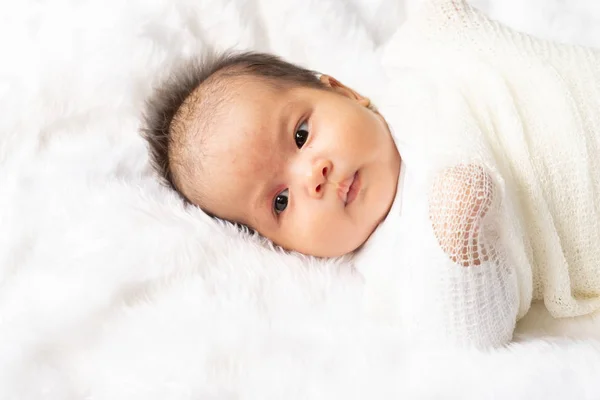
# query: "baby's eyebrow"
{"type": "Point", "coordinates": [260, 199]}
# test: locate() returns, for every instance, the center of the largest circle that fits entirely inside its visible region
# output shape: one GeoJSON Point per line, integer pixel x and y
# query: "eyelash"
{"type": "Point", "coordinates": [303, 138]}
{"type": "Point", "coordinates": [298, 129]}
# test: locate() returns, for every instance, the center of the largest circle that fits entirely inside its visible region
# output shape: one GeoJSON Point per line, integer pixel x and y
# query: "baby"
{"type": "Point", "coordinates": [235, 137]}
{"type": "Point", "coordinates": [472, 190]}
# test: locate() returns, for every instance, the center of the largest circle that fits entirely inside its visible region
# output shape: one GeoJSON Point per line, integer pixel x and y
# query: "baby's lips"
{"type": "Point", "coordinates": [354, 189]}
{"type": "Point", "coordinates": [343, 187]}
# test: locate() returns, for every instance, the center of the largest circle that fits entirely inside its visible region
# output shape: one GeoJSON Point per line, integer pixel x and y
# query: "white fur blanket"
{"type": "Point", "coordinates": [111, 289]}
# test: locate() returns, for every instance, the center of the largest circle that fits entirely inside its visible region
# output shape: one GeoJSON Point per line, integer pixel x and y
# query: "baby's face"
{"type": "Point", "coordinates": [313, 170]}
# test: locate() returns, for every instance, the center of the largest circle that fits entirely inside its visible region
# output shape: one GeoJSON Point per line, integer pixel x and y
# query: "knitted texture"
{"type": "Point", "coordinates": [500, 135]}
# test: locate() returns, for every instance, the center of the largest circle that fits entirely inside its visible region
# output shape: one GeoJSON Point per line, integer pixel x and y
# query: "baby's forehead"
{"type": "Point", "coordinates": [249, 104]}
{"type": "Point", "coordinates": [222, 97]}
{"type": "Point", "coordinates": [245, 132]}
{"type": "Point", "coordinates": [234, 130]}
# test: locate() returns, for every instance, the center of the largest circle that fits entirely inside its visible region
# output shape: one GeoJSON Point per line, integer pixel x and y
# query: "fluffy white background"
{"type": "Point", "coordinates": [111, 289]}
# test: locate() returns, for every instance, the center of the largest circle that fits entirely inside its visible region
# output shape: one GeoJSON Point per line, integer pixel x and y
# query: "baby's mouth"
{"type": "Point", "coordinates": [349, 188]}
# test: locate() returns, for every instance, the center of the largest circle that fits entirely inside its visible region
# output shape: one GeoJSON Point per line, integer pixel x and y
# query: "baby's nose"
{"type": "Point", "coordinates": [320, 170]}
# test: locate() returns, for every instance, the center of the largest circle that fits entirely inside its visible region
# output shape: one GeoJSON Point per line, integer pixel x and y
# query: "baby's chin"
{"type": "Point", "coordinates": [341, 245]}
{"type": "Point", "coordinates": [336, 248]}
{"type": "Point", "coordinates": [331, 252]}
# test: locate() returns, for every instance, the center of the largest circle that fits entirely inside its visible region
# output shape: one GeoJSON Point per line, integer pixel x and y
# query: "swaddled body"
{"type": "Point", "coordinates": [474, 190]}
{"type": "Point", "coordinates": [499, 195]}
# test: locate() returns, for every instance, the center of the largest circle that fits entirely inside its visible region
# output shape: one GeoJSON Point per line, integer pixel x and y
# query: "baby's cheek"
{"type": "Point", "coordinates": [336, 231]}
{"type": "Point", "coordinates": [317, 227]}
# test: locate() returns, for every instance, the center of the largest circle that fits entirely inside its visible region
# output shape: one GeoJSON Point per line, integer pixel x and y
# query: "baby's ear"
{"type": "Point", "coordinates": [344, 90]}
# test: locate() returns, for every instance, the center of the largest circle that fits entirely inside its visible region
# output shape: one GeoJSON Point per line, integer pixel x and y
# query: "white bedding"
{"type": "Point", "coordinates": [111, 289]}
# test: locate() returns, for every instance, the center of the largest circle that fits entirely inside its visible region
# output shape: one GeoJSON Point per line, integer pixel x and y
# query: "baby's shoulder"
{"type": "Point", "coordinates": [462, 184]}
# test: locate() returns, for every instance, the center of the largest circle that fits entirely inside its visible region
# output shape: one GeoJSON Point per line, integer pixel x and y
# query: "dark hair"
{"type": "Point", "coordinates": [170, 95]}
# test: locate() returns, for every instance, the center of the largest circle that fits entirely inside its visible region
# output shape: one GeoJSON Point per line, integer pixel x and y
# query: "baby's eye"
{"type": "Point", "coordinates": [301, 135]}
{"type": "Point", "coordinates": [281, 201]}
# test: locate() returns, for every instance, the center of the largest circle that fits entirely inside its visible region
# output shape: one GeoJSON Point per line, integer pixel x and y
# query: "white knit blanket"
{"type": "Point", "coordinates": [110, 289]}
